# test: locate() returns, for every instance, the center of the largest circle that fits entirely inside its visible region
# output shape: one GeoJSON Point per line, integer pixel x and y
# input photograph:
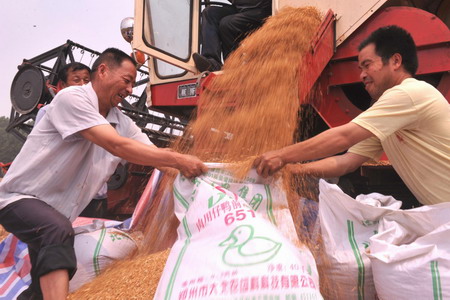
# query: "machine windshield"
{"type": "Point", "coordinates": [167, 26]}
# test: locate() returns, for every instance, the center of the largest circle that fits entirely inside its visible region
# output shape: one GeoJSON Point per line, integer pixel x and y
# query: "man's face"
{"type": "Point", "coordinates": [78, 77]}
{"type": "Point", "coordinates": [376, 76]}
{"type": "Point", "coordinates": [119, 81]}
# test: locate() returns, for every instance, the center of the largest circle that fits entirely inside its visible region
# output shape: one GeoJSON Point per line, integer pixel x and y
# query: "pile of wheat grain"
{"type": "Point", "coordinates": [135, 278]}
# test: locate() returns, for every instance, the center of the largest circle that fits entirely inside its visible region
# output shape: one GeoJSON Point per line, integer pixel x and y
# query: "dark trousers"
{"type": "Point", "coordinates": [48, 234]}
{"type": "Point", "coordinates": [97, 208]}
{"type": "Point", "coordinates": [223, 28]}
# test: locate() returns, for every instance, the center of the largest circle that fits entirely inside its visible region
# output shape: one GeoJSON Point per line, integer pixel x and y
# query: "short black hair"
{"type": "Point", "coordinates": [74, 66]}
{"type": "Point", "coordinates": [392, 39]}
{"type": "Point", "coordinates": [113, 58]}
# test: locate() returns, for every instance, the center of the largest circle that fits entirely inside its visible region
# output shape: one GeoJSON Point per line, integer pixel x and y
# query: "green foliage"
{"type": "Point", "coordinates": [9, 145]}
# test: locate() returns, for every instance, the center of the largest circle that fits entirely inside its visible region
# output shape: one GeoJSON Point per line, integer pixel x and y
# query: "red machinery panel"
{"type": "Point", "coordinates": [431, 36]}
{"type": "Point", "coordinates": [170, 94]}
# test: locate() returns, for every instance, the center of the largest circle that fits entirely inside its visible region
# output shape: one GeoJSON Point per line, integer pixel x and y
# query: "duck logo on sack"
{"type": "Point", "coordinates": [244, 249]}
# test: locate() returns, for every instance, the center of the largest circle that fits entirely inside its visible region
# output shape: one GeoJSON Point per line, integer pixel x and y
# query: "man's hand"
{"type": "Point", "coordinates": [190, 166]}
{"type": "Point", "coordinates": [269, 163]}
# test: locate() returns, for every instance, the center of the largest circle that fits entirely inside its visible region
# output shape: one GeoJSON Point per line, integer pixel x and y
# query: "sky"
{"type": "Point", "coordinates": [31, 27]}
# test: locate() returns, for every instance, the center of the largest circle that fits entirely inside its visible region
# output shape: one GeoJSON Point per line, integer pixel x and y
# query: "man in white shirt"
{"type": "Point", "coordinates": [409, 121]}
{"type": "Point", "coordinates": [67, 157]}
{"type": "Point", "coordinates": [72, 74]}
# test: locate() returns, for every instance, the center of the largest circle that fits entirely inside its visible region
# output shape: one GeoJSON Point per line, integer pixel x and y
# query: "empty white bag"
{"type": "Point", "coordinates": [411, 254]}
{"type": "Point", "coordinates": [346, 226]}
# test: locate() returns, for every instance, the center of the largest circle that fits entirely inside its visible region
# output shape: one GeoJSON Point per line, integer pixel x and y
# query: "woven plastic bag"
{"type": "Point", "coordinates": [346, 226]}
{"type": "Point", "coordinates": [226, 250]}
{"type": "Point", "coordinates": [263, 196]}
{"type": "Point", "coordinates": [411, 254]}
{"type": "Point", "coordinates": [96, 247]}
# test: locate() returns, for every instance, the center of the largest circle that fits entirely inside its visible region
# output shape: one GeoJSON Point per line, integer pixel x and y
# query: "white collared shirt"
{"type": "Point", "coordinates": [56, 164]}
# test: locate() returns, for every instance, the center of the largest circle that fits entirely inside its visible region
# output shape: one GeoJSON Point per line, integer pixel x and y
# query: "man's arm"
{"type": "Point", "coordinates": [333, 166]}
{"type": "Point", "coordinates": [329, 142]}
{"type": "Point", "coordinates": [136, 152]}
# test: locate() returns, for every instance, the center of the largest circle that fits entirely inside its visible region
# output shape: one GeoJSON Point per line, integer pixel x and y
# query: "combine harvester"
{"type": "Point", "coordinates": [169, 33]}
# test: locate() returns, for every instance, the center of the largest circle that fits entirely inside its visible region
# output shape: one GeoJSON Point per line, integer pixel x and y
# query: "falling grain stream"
{"type": "Point", "coordinates": [251, 108]}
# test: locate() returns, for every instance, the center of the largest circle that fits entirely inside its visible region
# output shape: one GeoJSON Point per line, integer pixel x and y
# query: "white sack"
{"type": "Point", "coordinates": [263, 196]}
{"type": "Point", "coordinates": [346, 226]}
{"type": "Point", "coordinates": [411, 254]}
{"type": "Point", "coordinates": [95, 250]}
{"type": "Point", "coordinates": [226, 250]}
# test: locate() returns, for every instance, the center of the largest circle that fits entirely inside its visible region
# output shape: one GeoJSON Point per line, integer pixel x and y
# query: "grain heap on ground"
{"type": "Point", "coordinates": [135, 278]}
